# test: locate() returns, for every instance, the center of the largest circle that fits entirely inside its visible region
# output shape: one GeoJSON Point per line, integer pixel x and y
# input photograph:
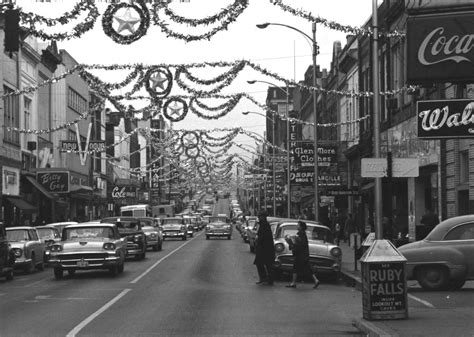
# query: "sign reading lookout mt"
{"type": "Point", "coordinates": [440, 48]}
{"type": "Point", "coordinates": [445, 119]}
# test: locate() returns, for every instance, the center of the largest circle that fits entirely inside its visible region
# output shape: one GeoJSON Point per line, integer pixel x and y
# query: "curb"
{"type": "Point", "coordinates": [371, 329]}
{"type": "Point", "coordinates": [351, 280]}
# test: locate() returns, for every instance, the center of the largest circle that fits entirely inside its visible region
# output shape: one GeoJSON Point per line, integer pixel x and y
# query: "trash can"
{"type": "Point", "coordinates": [384, 285]}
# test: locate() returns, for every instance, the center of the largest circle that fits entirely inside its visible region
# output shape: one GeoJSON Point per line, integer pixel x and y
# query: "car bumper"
{"type": "Point", "coordinates": [211, 233]}
{"type": "Point", "coordinates": [84, 263]}
{"type": "Point", "coordinates": [318, 264]}
{"type": "Point", "coordinates": [21, 262]}
{"type": "Point", "coordinates": [151, 243]}
{"type": "Point", "coordinates": [174, 234]}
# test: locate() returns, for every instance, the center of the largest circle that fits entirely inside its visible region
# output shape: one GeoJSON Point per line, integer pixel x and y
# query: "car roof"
{"type": "Point", "coordinates": [442, 228]}
{"type": "Point", "coordinates": [62, 223]}
{"type": "Point", "coordinates": [172, 218]}
{"type": "Point", "coordinates": [91, 224]}
{"type": "Point", "coordinates": [125, 218]}
{"type": "Point", "coordinates": [20, 227]}
{"type": "Point", "coordinates": [46, 227]}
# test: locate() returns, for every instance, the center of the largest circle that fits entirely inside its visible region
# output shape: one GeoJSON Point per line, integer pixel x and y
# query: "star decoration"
{"type": "Point", "coordinates": [127, 22]}
{"type": "Point", "coordinates": [175, 109]}
{"type": "Point", "coordinates": [157, 81]}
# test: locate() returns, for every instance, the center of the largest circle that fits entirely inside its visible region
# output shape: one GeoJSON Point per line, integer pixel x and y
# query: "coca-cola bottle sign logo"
{"type": "Point", "coordinates": [118, 193]}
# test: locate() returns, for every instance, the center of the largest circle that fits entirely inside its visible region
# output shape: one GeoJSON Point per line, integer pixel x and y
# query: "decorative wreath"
{"type": "Point", "coordinates": [190, 139]}
{"type": "Point", "coordinates": [171, 117]}
{"type": "Point", "coordinates": [108, 18]}
{"type": "Point", "coordinates": [156, 94]}
{"type": "Point", "coordinates": [192, 153]}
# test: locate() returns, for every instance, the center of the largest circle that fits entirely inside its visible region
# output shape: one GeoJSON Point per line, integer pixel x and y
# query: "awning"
{"type": "Point", "coordinates": [80, 189]}
{"type": "Point", "coordinates": [22, 204]}
{"type": "Point", "coordinates": [39, 187]}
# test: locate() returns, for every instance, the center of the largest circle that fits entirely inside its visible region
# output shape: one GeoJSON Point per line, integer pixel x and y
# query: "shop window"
{"type": "Point", "coordinates": [463, 167]}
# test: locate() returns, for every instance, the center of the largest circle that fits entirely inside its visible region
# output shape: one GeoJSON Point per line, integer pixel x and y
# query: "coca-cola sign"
{"type": "Point", "coordinates": [122, 192]}
{"type": "Point", "coordinates": [445, 119]}
{"type": "Point", "coordinates": [440, 48]}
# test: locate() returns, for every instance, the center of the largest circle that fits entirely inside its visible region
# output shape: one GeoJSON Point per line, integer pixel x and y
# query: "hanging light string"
{"type": "Point", "coordinates": [83, 116]}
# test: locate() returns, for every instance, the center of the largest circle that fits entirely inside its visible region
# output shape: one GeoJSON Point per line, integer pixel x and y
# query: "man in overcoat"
{"type": "Point", "coordinates": [264, 251]}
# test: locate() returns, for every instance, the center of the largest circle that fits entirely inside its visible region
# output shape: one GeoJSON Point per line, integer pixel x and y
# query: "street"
{"type": "Point", "coordinates": [194, 287]}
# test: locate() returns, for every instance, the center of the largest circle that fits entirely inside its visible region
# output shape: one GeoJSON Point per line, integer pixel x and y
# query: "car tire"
{"type": "Point", "coordinates": [457, 283]}
{"type": "Point", "coordinates": [71, 272]}
{"type": "Point", "coordinates": [207, 237]}
{"type": "Point", "coordinates": [121, 267]}
{"type": "Point", "coordinates": [432, 277]}
{"type": "Point", "coordinates": [160, 246]}
{"type": "Point", "coordinates": [9, 275]}
{"type": "Point", "coordinates": [30, 268]}
{"type": "Point", "coordinates": [185, 238]}
{"type": "Point", "coordinates": [113, 271]}
{"type": "Point", "coordinates": [155, 248]}
{"type": "Point", "coordinates": [229, 237]}
{"type": "Point", "coordinates": [58, 273]}
{"type": "Point", "coordinates": [40, 266]}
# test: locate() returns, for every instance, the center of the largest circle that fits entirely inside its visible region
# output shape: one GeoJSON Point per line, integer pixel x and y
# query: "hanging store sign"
{"type": "Point", "coordinates": [54, 181]}
{"type": "Point", "coordinates": [445, 119]}
{"type": "Point", "coordinates": [440, 48]}
{"type": "Point", "coordinates": [11, 181]}
{"type": "Point", "coordinates": [303, 154]}
{"type": "Point", "coordinates": [72, 145]}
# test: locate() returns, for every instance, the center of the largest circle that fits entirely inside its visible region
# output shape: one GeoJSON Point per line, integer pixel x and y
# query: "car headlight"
{"type": "Point", "coordinates": [279, 247]}
{"type": "Point", "coordinates": [109, 246]}
{"type": "Point", "coordinates": [183, 228]}
{"type": "Point", "coordinates": [18, 252]}
{"type": "Point", "coordinates": [137, 238]}
{"type": "Point", "coordinates": [56, 248]}
{"type": "Point", "coordinates": [336, 252]}
{"type": "Point", "coordinates": [208, 227]}
{"type": "Point", "coordinates": [227, 227]}
{"type": "Point", "coordinates": [152, 235]}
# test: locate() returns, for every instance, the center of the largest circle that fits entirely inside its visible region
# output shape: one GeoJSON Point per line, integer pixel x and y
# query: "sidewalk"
{"type": "Point", "coordinates": [422, 320]}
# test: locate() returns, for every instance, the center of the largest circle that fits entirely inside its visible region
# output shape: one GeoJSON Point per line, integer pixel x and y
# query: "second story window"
{"type": "Point", "coordinates": [76, 102]}
{"type": "Point", "coordinates": [11, 117]}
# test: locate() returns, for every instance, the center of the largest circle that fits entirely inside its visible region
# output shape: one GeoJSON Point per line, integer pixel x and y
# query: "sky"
{"type": "Point", "coordinates": [277, 49]}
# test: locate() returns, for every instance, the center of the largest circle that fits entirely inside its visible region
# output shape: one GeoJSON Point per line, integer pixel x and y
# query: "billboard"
{"type": "Point", "coordinates": [440, 48]}
{"type": "Point", "coordinates": [445, 119]}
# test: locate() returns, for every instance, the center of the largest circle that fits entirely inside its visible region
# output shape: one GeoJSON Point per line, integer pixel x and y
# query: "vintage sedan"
{"type": "Point", "coordinates": [219, 226]}
{"type": "Point", "coordinates": [60, 225]}
{"type": "Point", "coordinates": [324, 256]}
{"type": "Point", "coordinates": [28, 249]}
{"type": "Point", "coordinates": [174, 228]}
{"type": "Point", "coordinates": [249, 222]}
{"type": "Point", "coordinates": [154, 237]}
{"type": "Point", "coordinates": [131, 228]}
{"type": "Point", "coordinates": [48, 235]}
{"type": "Point", "coordinates": [444, 258]}
{"type": "Point", "coordinates": [86, 246]}
{"type": "Point", "coordinates": [189, 222]}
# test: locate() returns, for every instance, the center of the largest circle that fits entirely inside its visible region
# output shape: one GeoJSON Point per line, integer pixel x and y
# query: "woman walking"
{"type": "Point", "coordinates": [300, 249]}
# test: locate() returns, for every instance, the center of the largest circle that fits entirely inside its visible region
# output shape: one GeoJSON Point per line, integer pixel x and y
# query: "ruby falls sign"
{"type": "Point", "coordinates": [440, 48]}
{"type": "Point", "coordinates": [445, 119]}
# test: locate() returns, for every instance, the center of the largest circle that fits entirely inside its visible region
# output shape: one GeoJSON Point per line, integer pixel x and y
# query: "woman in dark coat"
{"type": "Point", "coordinates": [300, 249]}
{"type": "Point", "coordinates": [264, 251]}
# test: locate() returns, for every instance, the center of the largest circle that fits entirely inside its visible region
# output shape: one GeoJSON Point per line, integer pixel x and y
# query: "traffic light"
{"type": "Point", "coordinates": [12, 30]}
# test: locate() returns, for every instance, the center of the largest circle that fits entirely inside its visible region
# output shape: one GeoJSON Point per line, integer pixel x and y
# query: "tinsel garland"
{"type": "Point", "coordinates": [32, 19]}
{"type": "Point", "coordinates": [156, 94]}
{"type": "Point", "coordinates": [177, 100]}
{"type": "Point", "coordinates": [45, 131]}
{"type": "Point", "coordinates": [224, 83]}
{"type": "Point", "coordinates": [226, 16]}
{"type": "Point", "coordinates": [225, 107]}
{"type": "Point", "coordinates": [107, 21]}
{"type": "Point", "coordinates": [190, 139]}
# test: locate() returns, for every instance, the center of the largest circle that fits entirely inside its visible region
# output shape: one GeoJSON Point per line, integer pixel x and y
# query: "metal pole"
{"type": "Point", "coordinates": [273, 164]}
{"type": "Point", "coordinates": [315, 112]}
{"type": "Point", "coordinates": [288, 150]}
{"type": "Point", "coordinates": [376, 121]}
{"type": "Point", "coordinates": [265, 171]}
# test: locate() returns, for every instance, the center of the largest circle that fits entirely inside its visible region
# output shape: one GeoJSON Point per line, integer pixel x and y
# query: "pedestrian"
{"type": "Point", "coordinates": [300, 248]}
{"type": "Point", "coordinates": [264, 250]}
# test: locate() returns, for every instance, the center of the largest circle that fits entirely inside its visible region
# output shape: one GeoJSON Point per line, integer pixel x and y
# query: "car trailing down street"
{"type": "Point", "coordinates": [88, 246]}
{"type": "Point", "coordinates": [131, 229]}
{"type": "Point", "coordinates": [219, 226]}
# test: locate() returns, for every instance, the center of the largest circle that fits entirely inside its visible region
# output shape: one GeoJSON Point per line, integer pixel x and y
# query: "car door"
{"type": "Point", "coordinates": [35, 244]}
{"type": "Point", "coordinates": [461, 238]}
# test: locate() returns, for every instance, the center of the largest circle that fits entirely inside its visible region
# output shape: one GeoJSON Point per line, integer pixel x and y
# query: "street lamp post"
{"type": "Point", "coordinates": [287, 95]}
{"type": "Point", "coordinates": [314, 48]}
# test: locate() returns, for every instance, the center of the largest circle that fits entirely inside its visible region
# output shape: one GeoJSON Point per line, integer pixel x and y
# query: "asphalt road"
{"type": "Point", "coordinates": [196, 287]}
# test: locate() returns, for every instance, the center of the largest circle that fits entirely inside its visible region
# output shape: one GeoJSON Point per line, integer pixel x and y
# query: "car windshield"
{"type": "Point", "coordinates": [218, 219]}
{"type": "Point", "coordinates": [148, 229]}
{"type": "Point", "coordinates": [17, 235]}
{"type": "Point", "coordinates": [313, 233]}
{"type": "Point", "coordinates": [171, 222]}
{"type": "Point", "coordinates": [128, 225]}
{"type": "Point", "coordinates": [148, 222]}
{"type": "Point", "coordinates": [87, 233]}
{"type": "Point", "coordinates": [47, 233]}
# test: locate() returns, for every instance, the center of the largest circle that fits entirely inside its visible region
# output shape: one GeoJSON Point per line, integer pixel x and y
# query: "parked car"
{"type": "Point", "coordinates": [250, 221]}
{"type": "Point", "coordinates": [219, 226]}
{"type": "Point", "coordinates": [252, 235]}
{"type": "Point", "coordinates": [48, 235]}
{"type": "Point", "coordinates": [324, 256]}
{"type": "Point", "coordinates": [444, 258]}
{"type": "Point", "coordinates": [154, 237]}
{"type": "Point", "coordinates": [28, 249]}
{"type": "Point", "coordinates": [61, 225]}
{"type": "Point", "coordinates": [174, 228]}
{"type": "Point", "coordinates": [7, 257]}
{"type": "Point", "coordinates": [130, 228]}
{"type": "Point", "coordinates": [89, 245]}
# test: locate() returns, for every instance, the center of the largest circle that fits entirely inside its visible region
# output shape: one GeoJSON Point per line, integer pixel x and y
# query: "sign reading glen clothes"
{"type": "Point", "coordinates": [445, 119]}
{"type": "Point", "coordinates": [440, 48]}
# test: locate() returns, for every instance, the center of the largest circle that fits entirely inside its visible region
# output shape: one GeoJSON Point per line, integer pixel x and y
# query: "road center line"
{"type": "Point", "coordinates": [162, 259]}
{"type": "Point", "coordinates": [426, 303]}
{"type": "Point", "coordinates": [89, 319]}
